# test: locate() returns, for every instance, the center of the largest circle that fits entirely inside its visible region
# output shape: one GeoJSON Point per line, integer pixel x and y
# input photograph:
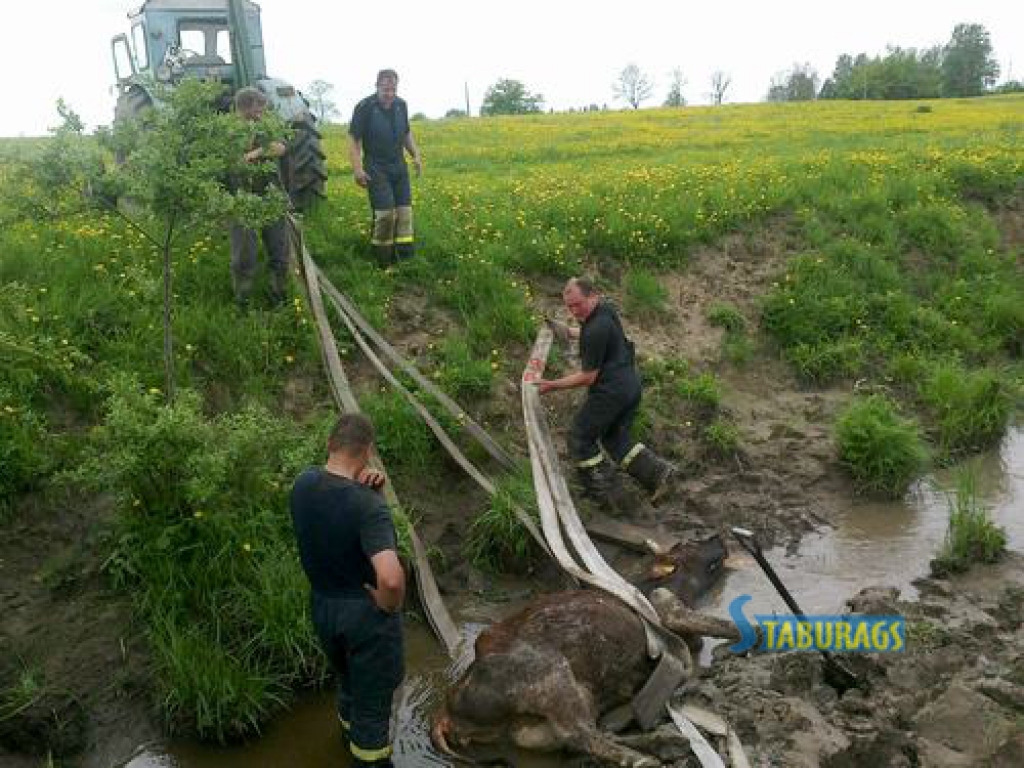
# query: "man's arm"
{"type": "Point", "coordinates": [355, 156]}
{"type": "Point", "coordinates": [573, 380]}
{"type": "Point", "coordinates": [412, 149]}
{"type": "Point", "coordinates": [390, 591]}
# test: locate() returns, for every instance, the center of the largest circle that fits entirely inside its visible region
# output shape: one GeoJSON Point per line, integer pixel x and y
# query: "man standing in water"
{"type": "Point", "coordinates": [347, 545]}
{"type": "Point", "coordinates": [613, 400]}
{"type": "Point", "coordinates": [378, 134]}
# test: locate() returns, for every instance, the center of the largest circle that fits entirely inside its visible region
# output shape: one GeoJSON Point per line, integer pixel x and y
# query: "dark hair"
{"type": "Point", "coordinates": [387, 73]}
{"type": "Point", "coordinates": [249, 98]}
{"type": "Point", "coordinates": [585, 285]}
{"type": "Point", "coordinates": [352, 433]}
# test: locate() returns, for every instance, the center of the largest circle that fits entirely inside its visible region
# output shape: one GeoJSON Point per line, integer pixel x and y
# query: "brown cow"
{"type": "Point", "coordinates": [543, 676]}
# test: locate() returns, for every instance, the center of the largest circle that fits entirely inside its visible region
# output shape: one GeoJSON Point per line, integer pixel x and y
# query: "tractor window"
{"type": "Point", "coordinates": [224, 45]}
{"type": "Point", "coordinates": [193, 40]}
{"type": "Point", "coordinates": [139, 45]}
{"type": "Point", "coordinates": [206, 39]}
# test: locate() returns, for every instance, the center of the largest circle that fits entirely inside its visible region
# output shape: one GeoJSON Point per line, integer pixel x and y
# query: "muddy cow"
{"type": "Point", "coordinates": [543, 676]}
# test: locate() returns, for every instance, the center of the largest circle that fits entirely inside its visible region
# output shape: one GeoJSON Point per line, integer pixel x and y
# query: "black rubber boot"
{"type": "Point", "coordinates": [385, 254]}
{"type": "Point", "coordinates": [404, 251]}
{"type": "Point", "coordinates": [602, 485]}
{"type": "Point", "coordinates": [654, 474]}
{"type": "Point", "coordinates": [278, 289]}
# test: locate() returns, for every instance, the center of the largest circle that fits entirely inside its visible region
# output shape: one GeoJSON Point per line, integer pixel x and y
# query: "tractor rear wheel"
{"type": "Point", "coordinates": [304, 168]}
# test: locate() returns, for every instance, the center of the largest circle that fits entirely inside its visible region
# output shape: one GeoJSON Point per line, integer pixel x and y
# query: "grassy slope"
{"type": "Point", "coordinates": [904, 282]}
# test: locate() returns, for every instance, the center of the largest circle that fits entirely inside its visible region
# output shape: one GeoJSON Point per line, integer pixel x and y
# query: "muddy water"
{"type": "Point", "coordinates": [871, 544]}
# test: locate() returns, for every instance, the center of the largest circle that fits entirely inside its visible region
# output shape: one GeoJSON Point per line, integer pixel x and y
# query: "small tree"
{"type": "Point", "coordinates": [324, 109]}
{"type": "Point", "coordinates": [179, 164]}
{"type": "Point", "coordinates": [633, 86]}
{"type": "Point", "coordinates": [675, 89]}
{"type": "Point", "coordinates": [720, 82]}
{"type": "Point", "coordinates": [510, 97]}
{"type": "Point", "coordinates": [799, 84]}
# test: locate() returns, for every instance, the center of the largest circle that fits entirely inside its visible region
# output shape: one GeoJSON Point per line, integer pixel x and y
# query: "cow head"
{"type": "Point", "coordinates": [687, 570]}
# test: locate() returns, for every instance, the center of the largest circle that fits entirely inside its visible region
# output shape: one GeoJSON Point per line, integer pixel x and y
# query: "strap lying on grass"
{"type": "Point", "coordinates": [336, 299]}
{"type": "Point", "coordinates": [479, 433]}
{"type": "Point", "coordinates": [437, 613]}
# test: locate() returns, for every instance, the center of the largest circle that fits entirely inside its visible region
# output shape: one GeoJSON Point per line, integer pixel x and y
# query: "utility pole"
{"type": "Point", "coordinates": [468, 113]}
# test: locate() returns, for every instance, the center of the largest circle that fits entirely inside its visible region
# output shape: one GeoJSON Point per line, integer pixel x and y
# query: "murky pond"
{"type": "Point", "coordinates": [871, 543]}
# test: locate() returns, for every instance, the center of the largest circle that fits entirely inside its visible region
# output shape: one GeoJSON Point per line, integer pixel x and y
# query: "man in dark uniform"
{"type": "Point", "coordinates": [250, 104]}
{"type": "Point", "coordinates": [613, 399]}
{"type": "Point", "coordinates": [378, 134]}
{"type": "Point", "coordinates": [346, 541]}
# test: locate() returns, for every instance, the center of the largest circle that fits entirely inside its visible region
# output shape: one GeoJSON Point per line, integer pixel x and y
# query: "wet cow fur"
{"type": "Point", "coordinates": [543, 676]}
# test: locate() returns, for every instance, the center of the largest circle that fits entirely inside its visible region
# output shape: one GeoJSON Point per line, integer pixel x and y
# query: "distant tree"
{"type": "Point", "coordinates": [968, 67]}
{"type": "Point", "coordinates": [798, 84]}
{"type": "Point", "coordinates": [1010, 86]}
{"type": "Point", "coordinates": [455, 113]}
{"type": "Point", "coordinates": [903, 73]}
{"type": "Point", "coordinates": [633, 86]}
{"type": "Point", "coordinates": [323, 108]}
{"type": "Point", "coordinates": [510, 97]}
{"type": "Point", "coordinates": [675, 89]}
{"type": "Point", "coordinates": [720, 82]}
{"type": "Point", "coordinates": [418, 117]}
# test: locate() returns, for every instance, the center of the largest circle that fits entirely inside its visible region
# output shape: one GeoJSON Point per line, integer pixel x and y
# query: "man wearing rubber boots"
{"type": "Point", "coordinates": [608, 369]}
{"type": "Point", "coordinates": [378, 134]}
{"type": "Point", "coordinates": [347, 545]}
{"type": "Point", "coordinates": [250, 104]}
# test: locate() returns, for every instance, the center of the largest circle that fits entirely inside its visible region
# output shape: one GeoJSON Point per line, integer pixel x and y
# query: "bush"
{"type": "Point", "coordinates": [971, 536]}
{"type": "Point", "coordinates": [882, 451]}
{"type": "Point", "coordinates": [970, 408]}
{"type": "Point", "coordinates": [204, 546]}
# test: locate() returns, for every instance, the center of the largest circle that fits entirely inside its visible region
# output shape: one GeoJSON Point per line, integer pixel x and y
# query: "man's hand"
{"type": "Point", "coordinates": [362, 177]}
{"type": "Point", "coordinates": [544, 386]}
{"type": "Point", "coordinates": [371, 478]}
{"type": "Point", "coordinates": [417, 163]}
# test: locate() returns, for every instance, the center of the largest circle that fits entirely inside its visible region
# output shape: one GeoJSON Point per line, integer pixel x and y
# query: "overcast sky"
{"type": "Point", "coordinates": [570, 51]}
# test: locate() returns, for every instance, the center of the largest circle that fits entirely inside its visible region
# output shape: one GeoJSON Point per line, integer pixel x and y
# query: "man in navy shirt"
{"type": "Point", "coordinates": [379, 136]}
{"type": "Point", "coordinates": [613, 400]}
{"type": "Point", "coordinates": [347, 545]}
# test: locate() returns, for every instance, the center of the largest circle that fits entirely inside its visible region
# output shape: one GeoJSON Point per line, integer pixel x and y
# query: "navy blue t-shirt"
{"type": "Point", "coordinates": [604, 348]}
{"type": "Point", "coordinates": [339, 525]}
{"type": "Point", "coordinates": [382, 131]}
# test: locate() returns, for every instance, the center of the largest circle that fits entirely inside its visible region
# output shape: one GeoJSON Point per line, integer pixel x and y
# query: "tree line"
{"type": "Point", "coordinates": [963, 67]}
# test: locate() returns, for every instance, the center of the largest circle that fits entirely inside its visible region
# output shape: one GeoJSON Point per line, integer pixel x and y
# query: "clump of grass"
{"type": "Point", "coordinates": [883, 451]}
{"type": "Point", "coordinates": [971, 536]}
{"type": "Point", "coordinates": [702, 391]}
{"type": "Point", "coordinates": [645, 295]}
{"type": "Point", "coordinates": [970, 408]}
{"type": "Point", "coordinates": [721, 438]}
{"type": "Point", "coordinates": [497, 541]}
{"type": "Point", "coordinates": [828, 360]}
{"type": "Point", "coordinates": [727, 316]}
{"type": "Point", "coordinates": [403, 439]}
{"type": "Point", "coordinates": [461, 373]}
{"type": "Point", "coordinates": [736, 346]}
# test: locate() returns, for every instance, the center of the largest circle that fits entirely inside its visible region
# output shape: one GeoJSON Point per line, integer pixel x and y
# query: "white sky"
{"type": "Point", "coordinates": [570, 50]}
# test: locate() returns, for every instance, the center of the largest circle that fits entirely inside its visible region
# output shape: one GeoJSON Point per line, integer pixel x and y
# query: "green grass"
{"type": "Point", "coordinates": [900, 270]}
{"type": "Point", "coordinates": [971, 537]}
{"type": "Point", "coordinates": [496, 541]}
{"type": "Point", "coordinates": [883, 451]}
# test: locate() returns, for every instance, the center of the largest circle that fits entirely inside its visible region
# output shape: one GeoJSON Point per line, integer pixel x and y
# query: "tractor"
{"type": "Point", "coordinates": [218, 40]}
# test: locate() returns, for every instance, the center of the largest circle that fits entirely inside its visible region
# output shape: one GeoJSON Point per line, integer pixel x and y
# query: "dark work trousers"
{"type": "Point", "coordinates": [365, 648]}
{"type": "Point", "coordinates": [244, 257]}
{"type": "Point", "coordinates": [605, 418]}
{"type": "Point", "coordinates": [391, 201]}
